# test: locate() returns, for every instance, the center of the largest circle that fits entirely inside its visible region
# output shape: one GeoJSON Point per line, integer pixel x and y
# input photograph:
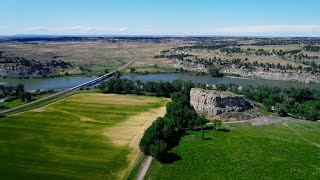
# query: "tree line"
{"type": "Point", "coordinates": [312, 48]}
{"type": "Point", "coordinates": [303, 103]}
{"type": "Point", "coordinates": [18, 92]}
{"type": "Point", "coordinates": [164, 133]}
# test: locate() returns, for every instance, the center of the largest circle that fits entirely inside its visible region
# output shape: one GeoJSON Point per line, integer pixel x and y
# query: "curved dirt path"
{"type": "Point", "coordinates": [303, 138]}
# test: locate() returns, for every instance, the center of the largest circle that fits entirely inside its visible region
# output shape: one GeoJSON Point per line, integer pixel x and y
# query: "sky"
{"type": "Point", "coordinates": [161, 17]}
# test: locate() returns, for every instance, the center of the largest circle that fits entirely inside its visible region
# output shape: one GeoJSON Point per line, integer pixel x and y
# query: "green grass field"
{"type": "Point", "coordinates": [90, 136]}
{"type": "Point", "coordinates": [274, 151]}
{"type": "Point", "coordinates": [18, 102]}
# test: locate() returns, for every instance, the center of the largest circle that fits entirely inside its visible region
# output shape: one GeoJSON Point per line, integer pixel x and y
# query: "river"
{"type": "Point", "coordinates": [67, 82]}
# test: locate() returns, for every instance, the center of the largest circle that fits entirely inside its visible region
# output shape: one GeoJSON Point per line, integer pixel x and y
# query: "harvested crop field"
{"type": "Point", "coordinates": [91, 136]}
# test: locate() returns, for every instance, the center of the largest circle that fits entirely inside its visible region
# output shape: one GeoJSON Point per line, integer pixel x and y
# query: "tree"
{"type": "Point", "coordinates": [152, 142]}
{"type": "Point", "coordinates": [102, 86]}
{"type": "Point", "coordinates": [268, 103]}
{"type": "Point", "coordinates": [132, 70]}
{"type": "Point", "coordinates": [214, 72]}
{"type": "Point", "coordinates": [158, 149]}
{"type": "Point", "coordinates": [311, 113]}
{"type": "Point", "coordinates": [281, 110]}
{"type": "Point", "coordinates": [119, 86]}
{"type": "Point", "coordinates": [25, 96]}
{"type": "Point", "coordinates": [19, 89]}
{"type": "Point", "coordinates": [216, 124]}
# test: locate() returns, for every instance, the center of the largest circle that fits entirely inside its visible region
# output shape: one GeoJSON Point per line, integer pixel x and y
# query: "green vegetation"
{"type": "Point", "coordinates": [215, 72]}
{"type": "Point", "coordinates": [132, 70]}
{"type": "Point", "coordinates": [242, 151]}
{"type": "Point", "coordinates": [25, 96]}
{"type": "Point", "coordinates": [164, 133]}
{"type": "Point", "coordinates": [312, 48]}
{"type": "Point", "coordinates": [18, 102]}
{"type": "Point", "coordinates": [299, 103]}
{"type": "Point", "coordinates": [69, 138]}
{"type": "Point", "coordinates": [159, 89]}
{"type": "Point", "coordinates": [12, 91]}
{"type": "Point", "coordinates": [16, 96]}
{"type": "Point", "coordinates": [302, 103]}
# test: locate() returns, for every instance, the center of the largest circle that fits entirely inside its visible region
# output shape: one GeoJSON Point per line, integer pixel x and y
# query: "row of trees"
{"type": "Point", "coordinates": [161, 135]}
{"type": "Point", "coordinates": [163, 89]}
{"type": "Point", "coordinates": [249, 65]}
{"type": "Point", "coordinates": [312, 48]}
{"type": "Point", "coordinates": [15, 92]}
{"type": "Point", "coordinates": [294, 101]}
{"type": "Point", "coordinates": [173, 56]}
{"type": "Point", "coordinates": [11, 90]}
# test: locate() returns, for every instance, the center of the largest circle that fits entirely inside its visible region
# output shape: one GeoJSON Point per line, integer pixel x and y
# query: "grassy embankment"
{"type": "Point", "coordinates": [288, 150]}
{"type": "Point", "coordinates": [87, 135]}
{"type": "Point", "coordinates": [18, 102]}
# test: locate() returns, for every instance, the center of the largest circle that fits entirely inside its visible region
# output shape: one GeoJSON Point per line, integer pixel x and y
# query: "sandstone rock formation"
{"type": "Point", "coordinates": [215, 102]}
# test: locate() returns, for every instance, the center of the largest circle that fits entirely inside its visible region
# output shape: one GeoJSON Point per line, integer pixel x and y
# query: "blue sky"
{"type": "Point", "coordinates": [161, 17]}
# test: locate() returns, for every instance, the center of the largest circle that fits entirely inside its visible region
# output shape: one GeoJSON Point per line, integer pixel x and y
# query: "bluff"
{"type": "Point", "coordinates": [216, 102]}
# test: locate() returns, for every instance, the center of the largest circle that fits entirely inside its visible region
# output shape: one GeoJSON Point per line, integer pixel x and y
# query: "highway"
{"type": "Point", "coordinates": [70, 90]}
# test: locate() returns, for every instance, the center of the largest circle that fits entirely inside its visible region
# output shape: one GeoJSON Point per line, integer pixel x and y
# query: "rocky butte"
{"type": "Point", "coordinates": [216, 102]}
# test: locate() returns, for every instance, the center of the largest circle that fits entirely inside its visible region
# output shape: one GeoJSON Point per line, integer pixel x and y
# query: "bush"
{"type": "Point", "coordinates": [25, 97]}
{"type": "Point", "coordinates": [215, 72]}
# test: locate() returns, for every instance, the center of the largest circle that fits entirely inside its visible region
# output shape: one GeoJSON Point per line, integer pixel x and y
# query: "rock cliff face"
{"type": "Point", "coordinates": [305, 77]}
{"type": "Point", "coordinates": [215, 102]}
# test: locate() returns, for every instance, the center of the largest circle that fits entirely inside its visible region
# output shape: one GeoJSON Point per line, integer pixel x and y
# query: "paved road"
{"type": "Point", "coordinates": [145, 168]}
{"type": "Point", "coordinates": [70, 90]}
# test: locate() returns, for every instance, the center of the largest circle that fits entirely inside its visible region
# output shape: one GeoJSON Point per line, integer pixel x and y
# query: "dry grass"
{"type": "Point", "coordinates": [100, 55]}
{"type": "Point", "coordinates": [129, 133]}
{"type": "Point", "coordinates": [146, 51]}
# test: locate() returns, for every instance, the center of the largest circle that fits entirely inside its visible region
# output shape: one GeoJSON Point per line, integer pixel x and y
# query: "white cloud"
{"type": "Point", "coordinates": [75, 30]}
{"type": "Point", "coordinates": [259, 30]}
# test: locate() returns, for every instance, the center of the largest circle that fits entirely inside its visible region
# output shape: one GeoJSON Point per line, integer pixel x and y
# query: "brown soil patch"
{"type": "Point", "coordinates": [264, 121]}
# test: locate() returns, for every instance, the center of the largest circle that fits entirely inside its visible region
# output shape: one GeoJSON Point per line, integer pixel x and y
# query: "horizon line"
{"type": "Point", "coordinates": [158, 35]}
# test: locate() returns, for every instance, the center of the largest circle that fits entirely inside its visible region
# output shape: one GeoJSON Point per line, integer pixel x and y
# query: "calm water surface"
{"type": "Point", "coordinates": [68, 82]}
